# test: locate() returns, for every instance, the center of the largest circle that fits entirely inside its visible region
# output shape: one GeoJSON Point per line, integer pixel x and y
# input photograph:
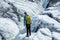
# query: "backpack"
{"type": "Point", "coordinates": [28, 19]}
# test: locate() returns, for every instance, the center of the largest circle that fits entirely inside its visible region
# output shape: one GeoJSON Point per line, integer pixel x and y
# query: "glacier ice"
{"type": "Point", "coordinates": [56, 35]}
{"type": "Point", "coordinates": [43, 27]}
{"type": "Point", "coordinates": [8, 28]}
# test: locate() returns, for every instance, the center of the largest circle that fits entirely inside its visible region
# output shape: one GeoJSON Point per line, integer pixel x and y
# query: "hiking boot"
{"type": "Point", "coordinates": [27, 36]}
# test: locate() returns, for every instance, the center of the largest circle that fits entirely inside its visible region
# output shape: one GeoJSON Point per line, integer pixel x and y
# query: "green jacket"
{"type": "Point", "coordinates": [24, 20]}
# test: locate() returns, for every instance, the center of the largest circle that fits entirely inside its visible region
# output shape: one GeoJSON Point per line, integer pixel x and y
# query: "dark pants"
{"type": "Point", "coordinates": [28, 28]}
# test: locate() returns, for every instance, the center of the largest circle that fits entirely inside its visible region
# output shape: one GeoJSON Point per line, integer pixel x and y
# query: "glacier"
{"type": "Point", "coordinates": [45, 21]}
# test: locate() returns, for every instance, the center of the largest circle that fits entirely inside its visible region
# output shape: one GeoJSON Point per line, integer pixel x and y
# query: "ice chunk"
{"type": "Point", "coordinates": [46, 32]}
{"type": "Point", "coordinates": [8, 28]}
{"type": "Point", "coordinates": [56, 35]}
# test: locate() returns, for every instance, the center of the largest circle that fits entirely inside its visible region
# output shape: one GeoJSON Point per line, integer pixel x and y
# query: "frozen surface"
{"type": "Point", "coordinates": [8, 28]}
{"type": "Point", "coordinates": [43, 26]}
{"type": "Point", "coordinates": [56, 36]}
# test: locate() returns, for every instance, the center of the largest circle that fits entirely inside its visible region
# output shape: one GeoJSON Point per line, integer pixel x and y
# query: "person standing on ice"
{"type": "Point", "coordinates": [27, 22]}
